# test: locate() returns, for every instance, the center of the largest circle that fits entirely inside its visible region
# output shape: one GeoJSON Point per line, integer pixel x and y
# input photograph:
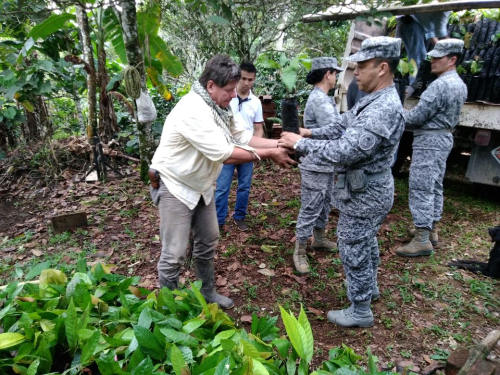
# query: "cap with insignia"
{"type": "Point", "coordinates": [378, 46]}
{"type": "Point", "coordinates": [446, 47]}
{"type": "Point", "coordinates": [325, 62]}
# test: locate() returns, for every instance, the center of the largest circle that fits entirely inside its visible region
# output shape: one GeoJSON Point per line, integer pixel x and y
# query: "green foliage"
{"type": "Point", "coordinates": [95, 317]}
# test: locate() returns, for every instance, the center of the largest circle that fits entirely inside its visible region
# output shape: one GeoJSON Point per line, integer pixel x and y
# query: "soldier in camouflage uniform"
{"type": "Point", "coordinates": [316, 192]}
{"type": "Point", "coordinates": [432, 121]}
{"type": "Point", "coordinates": [362, 157]}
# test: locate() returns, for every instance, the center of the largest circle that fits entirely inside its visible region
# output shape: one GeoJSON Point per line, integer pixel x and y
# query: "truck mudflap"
{"type": "Point", "coordinates": [484, 162]}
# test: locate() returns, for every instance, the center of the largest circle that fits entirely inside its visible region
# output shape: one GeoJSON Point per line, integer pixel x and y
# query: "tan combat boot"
{"type": "Point", "coordinates": [418, 246]}
{"type": "Point", "coordinates": [300, 257]}
{"type": "Point", "coordinates": [433, 237]}
{"type": "Point", "coordinates": [321, 243]}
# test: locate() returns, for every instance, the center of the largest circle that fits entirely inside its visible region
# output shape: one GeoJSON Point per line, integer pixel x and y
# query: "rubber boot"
{"type": "Point", "coordinates": [321, 243]}
{"type": "Point", "coordinates": [204, 270]}
{"type": "Point", "coordinates": [300, 257]}
{"type": "Point", "coordinates": [433, 237]}
{"type": "Point", "coordinates": [358, 314]}
{"type": "Point", "coordinates": [170, 284]}
{"type": "Point", "coordinates": [418, 246]}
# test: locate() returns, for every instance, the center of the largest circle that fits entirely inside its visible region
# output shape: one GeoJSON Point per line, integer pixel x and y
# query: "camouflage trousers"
{"type": "Point", "coordinates": [358, 247]}
{"type": "Point", "coordinates": [426, 186]}
{"type": "Point", "coordinates": [316, 197]}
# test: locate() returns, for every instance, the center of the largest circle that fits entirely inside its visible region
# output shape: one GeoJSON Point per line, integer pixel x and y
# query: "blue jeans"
{"type": "Point", "coordinates": [413, 37]}
{"type": "Point", "coordinates": [242, 194]}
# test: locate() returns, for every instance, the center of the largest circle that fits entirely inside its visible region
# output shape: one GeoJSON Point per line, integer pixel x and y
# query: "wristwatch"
{"type": "Point", "coordinates": [295, 144]}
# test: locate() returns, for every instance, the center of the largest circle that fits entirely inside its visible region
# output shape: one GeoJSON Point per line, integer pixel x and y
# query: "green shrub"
{"type": "Point", "coordinates": [104, 323]}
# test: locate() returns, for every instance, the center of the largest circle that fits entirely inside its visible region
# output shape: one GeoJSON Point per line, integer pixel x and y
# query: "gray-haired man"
{"type": "Point", "coordinates": [362, 158]}
{"type": "Point", "coordinates": [199, 136]}
{"type": "Point", "coordinates": [433, 120]}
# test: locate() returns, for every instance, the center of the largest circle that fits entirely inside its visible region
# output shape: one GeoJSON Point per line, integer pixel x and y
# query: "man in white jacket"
{"type": "Point", "coordinates": [199, 136]}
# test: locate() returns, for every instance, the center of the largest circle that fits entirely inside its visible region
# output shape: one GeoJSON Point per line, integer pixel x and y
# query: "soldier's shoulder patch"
{"type": "Point", "coordinates": [367, 141]}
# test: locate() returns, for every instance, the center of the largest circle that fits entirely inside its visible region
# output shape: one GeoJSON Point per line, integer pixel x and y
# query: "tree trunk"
{"type": "Point", "coordinates": [88, 56]}
{"type": "Point", "coordinates": [107, 117]}
{"type": "Point", "coordinates": [79, 113]}
{"type": "Point", "coordinates": [31, 130]}
{"type": "Point", "coordinates": [128, 20]}
{"type": "Point", "coordinates": [44, 118]}
{"type": "Point", "coordinates": [3, 137]}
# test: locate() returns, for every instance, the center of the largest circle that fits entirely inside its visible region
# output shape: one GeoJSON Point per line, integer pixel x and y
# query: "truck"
{"type": "Point", "coordinates": [477, 134]}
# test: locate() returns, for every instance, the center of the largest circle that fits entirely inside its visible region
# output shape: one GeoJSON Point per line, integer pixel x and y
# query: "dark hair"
{"type": "Point", "coordinates": [393, 62]}
{"type": "Point", "coordinates": [220, 69]}
{"type": "Point", "coordinates": [458, 55]}
{"type": "Point", "coordinates": [248, 67]}
{"type": "Point", "coordinates": [316, 75]}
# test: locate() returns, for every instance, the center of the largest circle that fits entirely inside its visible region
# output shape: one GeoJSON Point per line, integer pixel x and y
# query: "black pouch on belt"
{"type": "Point", "coordinates": [342, 185]}
{"type": "Point", "coordinates": [356, 179]}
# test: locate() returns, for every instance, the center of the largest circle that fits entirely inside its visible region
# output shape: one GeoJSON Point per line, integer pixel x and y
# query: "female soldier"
{"type": "Point", "coordinates": [317, 180]}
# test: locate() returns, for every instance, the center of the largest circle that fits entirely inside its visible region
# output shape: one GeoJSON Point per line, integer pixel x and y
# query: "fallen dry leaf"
{"type": "Point", "coordinates": [234, 266]}
{"type": "Point", "coordinates": [267, 272]}
{"type": "Point", "coordinates": [315, 311]}
{"type": "Point", "coordinates": [221, 281]}
{"type": "Point", "coordinates": [37, 253]}
{"type": "Point", "coordinates": [246, 319]}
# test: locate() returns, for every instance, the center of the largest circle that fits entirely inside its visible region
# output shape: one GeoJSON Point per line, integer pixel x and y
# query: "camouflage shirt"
{"type": "Point", "coordinates": [373, 128]}
{"type": "Point", "coordinates": [321, 111]}
{"type": "Point", "coordinates": [439, 108]}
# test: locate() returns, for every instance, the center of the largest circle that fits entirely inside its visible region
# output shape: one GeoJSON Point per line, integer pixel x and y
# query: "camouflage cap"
{"type": "Point", "coordinates": [378, 46]}
{"type": "Point", "coordinates": [447, 46]}
{"type": "Point", "coordinates": [325, 62]}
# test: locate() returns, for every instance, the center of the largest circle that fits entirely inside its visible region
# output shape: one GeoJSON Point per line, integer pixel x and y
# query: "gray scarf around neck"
{"type": "Point", "coordinates": [223, 117]}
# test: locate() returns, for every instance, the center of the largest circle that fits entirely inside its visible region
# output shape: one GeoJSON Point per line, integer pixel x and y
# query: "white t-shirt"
{"type": "Point", "coordinates": [192, 149]}
{"type": "Point", "coordinates": [248, 112]}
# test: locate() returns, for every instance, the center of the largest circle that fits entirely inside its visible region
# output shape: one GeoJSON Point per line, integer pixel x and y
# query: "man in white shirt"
{"type": "Point", "coordinates": [200, 135]}
{"type": "Point", "coordinates": [247, 110]}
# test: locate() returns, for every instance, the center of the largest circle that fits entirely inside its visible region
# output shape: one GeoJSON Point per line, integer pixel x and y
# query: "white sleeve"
{"type": "Point", "coordinates": [258, 114]}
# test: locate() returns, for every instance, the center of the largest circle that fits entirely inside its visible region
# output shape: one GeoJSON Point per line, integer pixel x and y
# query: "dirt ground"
{"type": "Point", "coordinates": [426, 309]}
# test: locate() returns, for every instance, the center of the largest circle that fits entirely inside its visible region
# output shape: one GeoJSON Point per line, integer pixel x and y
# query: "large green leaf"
{"type": "Point", "coordinates": [33, 367]}
{"type": "Point", "coordinates": [90, 346]}
{"type": "Point", "coordinates": [295, 332]}
{"type": "Point", "coordinates": [223, 367]}
{"type": "Point", "coordinates": [161, 51]}
{"type": "Point", "coordinates": [107, 364]}
{"type": "Point", "coordinates": [119, 45]}
{"type": "Point", "coordinates": [52, 24]}
{"type": "Point", "coordinates": [250, 351]}
{"type": "Point", "coordinates": [289, 74]}
{"type": "Point", "coordinates": [179, 337]}
{"type": "Point", "coordinates": [309, 344]}
{"type": "Point", "coordinates": [177, 360]}
{"type": "Point", "coordinates": [25, 49]}
{"type": "Point", "coordinates": [71, 326]}
{"type": "Point", "coordinates": [283, 346]}
{"type": "Point", "coordinates": [145, 367]}
{"type": "Point", "coordinates": [10, 339]}
{"type": "Point", "coordinates": [36, 270]}
{"type": "Point", "coordinates": [258, 368]}
{"type": "Point", "coordinates": [158, 82]}
{"type": "Point", "coordinates": [192, 325]}
{"type": "Point", "coordinates": [148, 343]}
